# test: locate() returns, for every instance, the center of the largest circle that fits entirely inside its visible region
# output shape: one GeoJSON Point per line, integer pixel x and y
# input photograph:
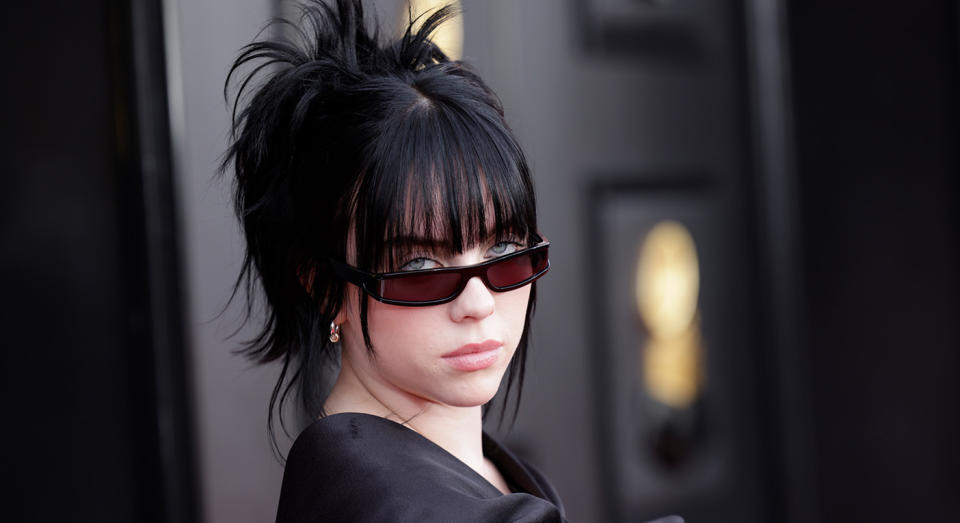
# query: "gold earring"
{"type": "Point", "coordinates": [334, 332]}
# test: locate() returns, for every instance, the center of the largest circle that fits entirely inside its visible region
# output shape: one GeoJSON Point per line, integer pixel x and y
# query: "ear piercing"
{"type": "Point", "coordinates": [334, 332]}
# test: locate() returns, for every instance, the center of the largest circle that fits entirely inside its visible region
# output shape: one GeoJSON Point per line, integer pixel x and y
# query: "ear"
{"type": "Point", "coordinates": [341, 317]}
{"type": "Point", "coordinates": [306, 273]}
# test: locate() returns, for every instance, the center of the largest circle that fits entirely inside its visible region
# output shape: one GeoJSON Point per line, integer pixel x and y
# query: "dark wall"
{"type": "Point", "coordinates": [875, 100]}
{"type": "Point", "coordinates": [85, 400]}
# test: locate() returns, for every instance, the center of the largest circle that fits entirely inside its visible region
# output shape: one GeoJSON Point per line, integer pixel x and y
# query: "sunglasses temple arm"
{"type": "Point", "coordinates": [350, 274]}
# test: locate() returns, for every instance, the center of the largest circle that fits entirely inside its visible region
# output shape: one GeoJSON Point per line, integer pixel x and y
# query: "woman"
{"type": "Point", "coordinates": [390, 218]}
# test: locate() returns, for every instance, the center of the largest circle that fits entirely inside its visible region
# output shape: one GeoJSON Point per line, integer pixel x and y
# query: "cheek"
{"type": "Point", "coordinates": [512, 307]}
{"type": "Point", "coordinates": [392, 326]}
{"type": "Point", "coordinates": [405, 335]}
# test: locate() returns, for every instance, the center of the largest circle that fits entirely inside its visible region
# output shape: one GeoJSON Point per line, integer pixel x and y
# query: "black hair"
{"type": "Point", "coordinates": [347, 133]}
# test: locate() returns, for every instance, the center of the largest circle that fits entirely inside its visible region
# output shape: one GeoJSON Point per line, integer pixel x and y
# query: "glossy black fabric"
{"type": "Point", "coordinates": [358, 467]}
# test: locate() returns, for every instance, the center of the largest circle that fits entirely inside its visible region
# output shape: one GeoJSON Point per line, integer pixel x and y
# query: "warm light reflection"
{"type": "Point", "coordinates": [667, 289]}
{"type": "Point", "coordinates": [671, 368]}
{"type": "Point", "coordinates": [668, 279]}
{"type": "Point", "coordinates": [449, 36]}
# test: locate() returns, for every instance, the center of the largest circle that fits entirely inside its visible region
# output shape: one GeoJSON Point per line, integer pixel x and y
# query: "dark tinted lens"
{"type": "Point", "coordinates": [424, 287]}
{"type": "Point", "coordinates": [518, 269]}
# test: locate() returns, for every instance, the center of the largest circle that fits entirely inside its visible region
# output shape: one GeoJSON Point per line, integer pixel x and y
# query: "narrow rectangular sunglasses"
{"type": "Point", "coordinates": [436, 286]}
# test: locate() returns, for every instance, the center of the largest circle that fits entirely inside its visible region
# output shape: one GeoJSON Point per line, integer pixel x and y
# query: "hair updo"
{"type": "Point", "coordinates": [345, 135]}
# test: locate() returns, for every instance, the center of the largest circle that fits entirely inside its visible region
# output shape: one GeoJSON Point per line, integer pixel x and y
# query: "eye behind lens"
{"type": "Point", "coordinates": [512, 271]}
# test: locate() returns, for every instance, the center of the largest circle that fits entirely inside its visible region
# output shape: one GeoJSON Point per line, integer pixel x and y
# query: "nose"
{"type": "Point", "coordinates": [475, 302]}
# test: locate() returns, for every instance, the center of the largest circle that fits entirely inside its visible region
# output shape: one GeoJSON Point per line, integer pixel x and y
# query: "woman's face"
{"type": "Point", "coordinates": [412, 361]}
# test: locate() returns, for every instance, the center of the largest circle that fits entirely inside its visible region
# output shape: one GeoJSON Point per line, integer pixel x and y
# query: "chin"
{"type": "Point", "coordinates": [474, 400]}
{"type": "Point", "coordinates": [475, 394]}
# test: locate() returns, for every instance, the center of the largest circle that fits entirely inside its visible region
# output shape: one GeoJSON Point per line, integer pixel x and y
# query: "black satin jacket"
{"type": "Point", "coordinates": [358, 467]}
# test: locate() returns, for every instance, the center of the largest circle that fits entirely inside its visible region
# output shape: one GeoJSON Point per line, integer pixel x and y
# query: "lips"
{"type": "Point", "coordinates": [474, 356]}
{"type": "Point", "coordinates": [473, 348]}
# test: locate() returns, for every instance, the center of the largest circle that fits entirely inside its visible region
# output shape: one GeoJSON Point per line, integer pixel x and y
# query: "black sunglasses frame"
{"type": "Point", "coordinates": [370, 282]}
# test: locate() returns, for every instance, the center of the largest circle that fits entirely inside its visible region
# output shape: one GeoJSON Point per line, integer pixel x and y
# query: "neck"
{"type": "Point", "coordinates": [457, 430]}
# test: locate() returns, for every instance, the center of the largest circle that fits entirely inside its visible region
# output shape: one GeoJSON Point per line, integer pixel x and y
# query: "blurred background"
{"type": "Point", "coordinates": [752, 312]}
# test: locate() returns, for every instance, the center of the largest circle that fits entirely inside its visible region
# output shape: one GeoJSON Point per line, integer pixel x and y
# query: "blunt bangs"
{"type": "Point", "coordinates": [441, 175]}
